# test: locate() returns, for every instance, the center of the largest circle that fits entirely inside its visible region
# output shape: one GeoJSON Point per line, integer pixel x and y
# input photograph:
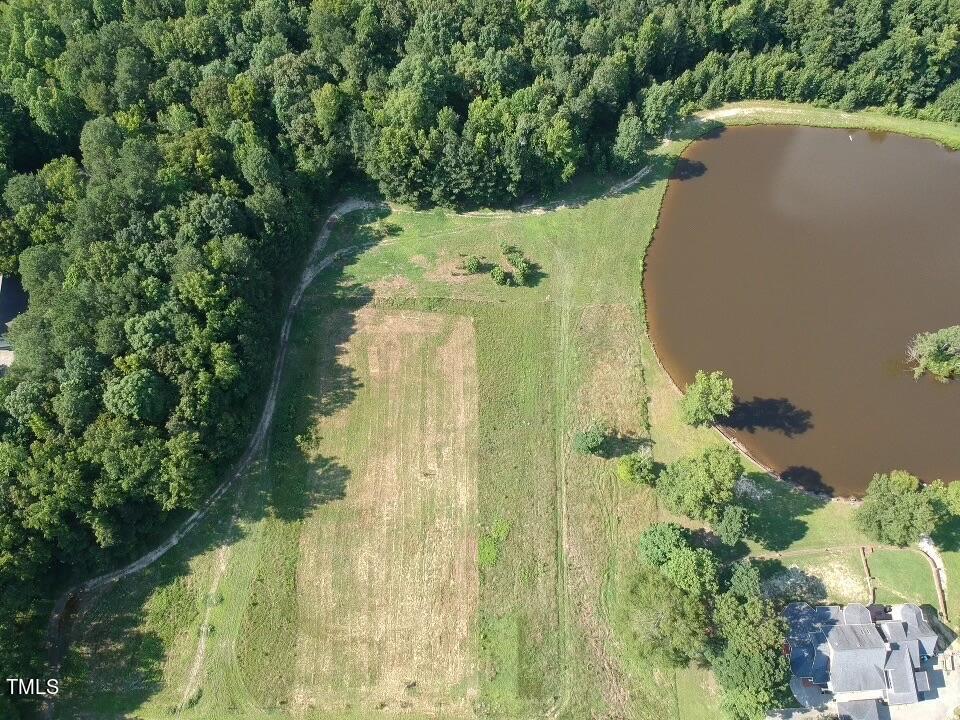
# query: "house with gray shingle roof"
{"type": "Point", "coordinates": [864, 656]}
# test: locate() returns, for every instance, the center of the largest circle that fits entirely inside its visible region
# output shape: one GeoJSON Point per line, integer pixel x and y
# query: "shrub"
{"type": "Point", "coordinates": [473, 265]}
{"type": "Point", "coordinates": [500, 276]}
{"type": "Point", "coordinates": [589, 440]}
{"type": "Point", "coordinates": [521, 274]}
{"type": "Point", "coordinates": [937, 353]}
{"type": "Point", "coordinates": [523, 268]}
{"type": "Point", "coordinates": [511, 252]}
{"type": "Point", "coordinates": [491, 542]}
{"type": "Point", "coordinates": [637, 468]}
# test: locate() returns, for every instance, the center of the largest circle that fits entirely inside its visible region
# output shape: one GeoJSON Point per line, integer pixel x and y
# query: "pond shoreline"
{"type": "Point", "coordinates": [742, 449]}
{"type": "Point", "coordinates": [700, 124]}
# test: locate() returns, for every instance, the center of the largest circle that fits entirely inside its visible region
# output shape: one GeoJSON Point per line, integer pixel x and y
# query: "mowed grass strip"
{"type": "Point", "coordinates": [774, 112]}
{"type": "Point", "coordinates": [387, 577]}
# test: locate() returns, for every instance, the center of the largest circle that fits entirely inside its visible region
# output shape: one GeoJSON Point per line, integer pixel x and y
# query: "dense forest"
{"type": "Point", "coordinates": [162, 164]}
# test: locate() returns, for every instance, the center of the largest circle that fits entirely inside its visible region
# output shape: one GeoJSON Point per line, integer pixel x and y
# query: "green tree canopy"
{"type": "Point", "coordinates": [667, 625]}
{"type": "Point", "coordinates": [897, 509]}
{"type": "Point", "coordinates": [701, 486]}
{"type": "Point", "coordinates": [937, 353]}
{"type": "Point", "coordinates": [749, 663]}
{"type": "Point", "coordinates": [707, 398]}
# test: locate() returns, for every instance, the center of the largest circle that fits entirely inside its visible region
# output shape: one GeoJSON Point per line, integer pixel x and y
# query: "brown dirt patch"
{"type": "Point", "coordinates": [834, 576]}
{"type": "Point", "coordinates": [449, 269]}
{"type": "Point", "coordinates": [392, 286]}
{"type": "Point", "coordinates": [387, 577]}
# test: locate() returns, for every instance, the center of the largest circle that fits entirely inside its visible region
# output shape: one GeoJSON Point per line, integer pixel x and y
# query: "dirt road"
{"type": "Point", "coordinates": [56, 635]}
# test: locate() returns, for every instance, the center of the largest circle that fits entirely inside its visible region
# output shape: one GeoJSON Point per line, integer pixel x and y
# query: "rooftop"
{"type": "Point", "coordinates": [863, 655]}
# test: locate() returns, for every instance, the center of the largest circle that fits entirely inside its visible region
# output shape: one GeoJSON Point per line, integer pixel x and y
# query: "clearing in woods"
{"type": "Point", "coordinates": [419, 539]}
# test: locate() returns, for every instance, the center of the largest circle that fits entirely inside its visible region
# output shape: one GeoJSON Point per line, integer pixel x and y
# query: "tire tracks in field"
{"type": "Point", "coordinates": [564, 309]}
{"type": "Point", "coordinates": [57, 626]}
{"type": "Point", "coordinates": [223, 558]}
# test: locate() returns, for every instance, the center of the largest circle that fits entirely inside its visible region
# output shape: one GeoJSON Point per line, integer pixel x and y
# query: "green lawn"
{"type": "Point", "coordinates": [903, 576]}
{"type": "Point", "coordinates": [315, 587]}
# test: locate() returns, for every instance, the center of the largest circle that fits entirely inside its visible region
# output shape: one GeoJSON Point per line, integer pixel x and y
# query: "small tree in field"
{"type": "Point", "coordinates": [472, 265]}
{"type": "Point", "coordinates": [589, 441]}
{"type": "Point", "coordinates": [708, 397]}
{"type": "Point", "coordinates": [637, 468]}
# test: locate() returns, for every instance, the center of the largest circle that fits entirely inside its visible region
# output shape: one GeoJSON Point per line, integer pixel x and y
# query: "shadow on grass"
{"type": "Point", "coordinates": [947, 534]}
{"type": "Point", "coordinates": [129, 658]}
{"type": "Point", "coordinates": [617, 444]}
{"type": "Point", "coordinates": [694, 128]}
{"type": "Point", "coordinates": [535, 274]}
{"type": "Point", "coordinates": [785, 584]}
{"type": "Point", "coordinates": [776, 510]}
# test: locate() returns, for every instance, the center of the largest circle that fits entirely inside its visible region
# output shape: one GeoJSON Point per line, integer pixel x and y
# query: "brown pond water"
{"type": "Point", "coordinates": [801, 263]}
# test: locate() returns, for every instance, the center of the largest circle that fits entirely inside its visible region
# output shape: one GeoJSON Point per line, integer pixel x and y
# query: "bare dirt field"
{"type": "Point", "coordinates": [386, 621]}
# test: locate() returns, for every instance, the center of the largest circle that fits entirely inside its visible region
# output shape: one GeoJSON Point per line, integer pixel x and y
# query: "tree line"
{"type": "Point", "coordinates": [162, 162]}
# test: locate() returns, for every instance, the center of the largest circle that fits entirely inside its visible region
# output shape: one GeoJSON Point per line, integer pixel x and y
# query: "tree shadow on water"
{"type": "Point", "coordinates": [807, 478]}
{"type": "Point", "coordinates": [776, 414]}
{"type": "Point", "coordinates": [686, 169]}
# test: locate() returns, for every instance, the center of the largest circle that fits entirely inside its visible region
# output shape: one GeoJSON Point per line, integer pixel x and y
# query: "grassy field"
{"type": "Point", "coordinates": [419, 539]}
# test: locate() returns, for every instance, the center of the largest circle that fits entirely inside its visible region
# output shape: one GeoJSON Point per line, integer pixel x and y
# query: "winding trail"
{"type": "Point", "coordinates": [56, 627]}
{"type": "Point", "coordinates": [56, 639]}
{"type": "Point", "coordinates": [56, 635]}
